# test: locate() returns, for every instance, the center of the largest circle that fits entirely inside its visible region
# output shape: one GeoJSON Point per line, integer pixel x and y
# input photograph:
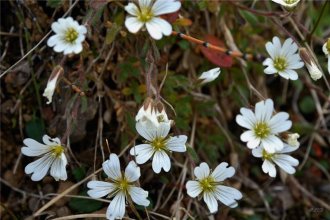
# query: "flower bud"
{"type": "Point", "coordinates": [52, 82]}
{"type": "Point", "coordinates": [313, 70]}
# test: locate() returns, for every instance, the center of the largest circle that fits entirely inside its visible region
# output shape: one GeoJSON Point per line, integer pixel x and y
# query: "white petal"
{"type": "Point", "coordinates": [100, 189]}
{"type": "Point", "coordinates": [280, 122]}
{"type": "Point", "coordinates": [132, 9]}
{"type": "Point", "coordinates": [112, 167]}
{"type": "Point", "coordinates": [154, 29]}
{"type": "Point", "coordinates": [253, 143]}
{"type": "Point", "coordinates": [142, 152]}
{"type": "Point", "coordinates": [289, 48]}
{"type": "Point", "coordinates": [58, 168]}
{"type": "Point", "coordinates": [161, 160]}
{"type": "Point", "coordinates": [247, 136]}
{"type": "Point", "coordinates": [149, 133]}
{"type": "Point", "coordinates": [288, 148]}
{"type": "Point", "coordinates": [40, 167]}
{"type": "Point", "coordinates": [116, 208]}
{"type": "Point", "coordinates": [139, 196]}
{"type": "Point", "coordinates": [270, 70]}
{"type": "Point", "coordinates": [161, 7]}
{"type": "Point", "coordinates": [163, 129]}
{"type": "Point", "coordinates": [77, 48]}
{"type": "Point", "coordinates": [60, 47]}
{"type": "Point", "coordinates": [177, 143]}
{"type": "Point", "coordinates": [228, 195]}
{"type": "Point", "coordinates": [202, 171]}
{"type": "Point", "coordinates": [293, 75]}
{"type": "Point", "coordinates": [222, 172]}
{"type": "Point", "coordinates": [210, 201]}
{"type": "Point", "coordinates": [132, 172]}
{"type": "Point", "coordinates": [133, 24]}
{"type": "Point", "coordinates": [286, 162]}
{"type": "Point", "coordinates": [145, 3]}
{"type": "Point", "coordinates": [210, 75]}
{"type": "Point", "coordinates": [269, 167]}
{"type": "Point", "coordinates": [34, 148]}
{"type": "Point", "coordinates": [51, 141]}
{"type": "Point", "coordinates": [248, 116]}
{"type": "Point", "coordinates": [193, 188]}
{"type": "Point", "coordinates": [271, 49]}
{"type": "Point", "coordinates": [272, 143]}
{"type": "Point", "coordinates": [53, 40]}
{"type": "Point", "coordinates": [257, 152]}
{"type": "Point", "coordinates": [166, 27]}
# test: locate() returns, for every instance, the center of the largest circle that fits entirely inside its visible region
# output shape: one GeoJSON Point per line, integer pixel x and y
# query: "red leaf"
{"type": "Point", "coordinates": [215, 57]}
{"type": "Point", "coordinates": [317, 150]}
{"type": "Point", "coordinates": [171, 17]}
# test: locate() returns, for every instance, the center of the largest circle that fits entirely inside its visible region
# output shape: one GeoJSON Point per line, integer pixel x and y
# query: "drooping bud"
{"type": "Point", "coordinates": [152, 111]}
{"type": "Point", "coordinates": [313, 70]}
{"type": "Point", "coordinates": [52, 82]}
{"type": "Point", "coordinates": [210, 75]}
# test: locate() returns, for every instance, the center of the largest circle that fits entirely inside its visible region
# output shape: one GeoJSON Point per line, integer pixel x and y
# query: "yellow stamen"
{"type": "Point", "coordinates": [280, 63]}
{"type": "Point", "coordinates": [57, 150]}
{"type": "Point", "coordinates": [261, 130]}
{"type": "Point", "coordinates": [207, 184]}
{"type": "Point", "coordinates": [71, 35]}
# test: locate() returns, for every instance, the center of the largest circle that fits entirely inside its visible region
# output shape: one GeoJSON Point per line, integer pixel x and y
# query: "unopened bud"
{"type": "Point", "coordinates": [52, 82]}
{"type": "Point", "coordinates": [313, 70]}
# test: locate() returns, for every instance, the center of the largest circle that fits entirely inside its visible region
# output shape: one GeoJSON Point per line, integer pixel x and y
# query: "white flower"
{"type": "Point", "coordinates": [210, 75]}
{"type": "Point", "coordinates": [292, 140]}
{"type": "Point", "coordinates": [285, 162]}
{"type": "Point", "coordinates": [210, 186]}
{"type": "Point", "coordinates": [68, 37]}
{"type": "Point", "coordinates": [158, 145]}
{"type": "Point", "coordinates": [52, 156]}
{"type": "Point", "coordinates": [120, 186]}
{"type": "Point", "coordinates": [326, 51]}
{"type": "Point", "coordinates": [152, 112]}
{"type": "Point", "coordinates": [147, 13]}
{"type": "Point", "coordinates": [284, 59]}
{"type": "Point", "coordinates": [263, 126]}
{"type": "Point", "coordinates": [51, 84]}
{"type": "Point", "coordinates": [287, 3]}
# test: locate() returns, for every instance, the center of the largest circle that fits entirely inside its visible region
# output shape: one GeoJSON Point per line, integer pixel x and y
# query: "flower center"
{"type": "Point", "coordinates": [123, 184]}
{"type": "Point", "coordinates": [158, 144]}
{"type": "Point", "coordinates": [145, 15]}
{"type": "Point", "coordinates": [207, 184]}
{"type": "Point", "coordinates": [280, 63]}
{"type": "Point", "coordinates": [71, 35]}
{"type": "Point", "coordinates": [266, 155]}
{"type": "Point", "coordinates": [261, 130]}
{"type": "Point", "coordinates": [290, 1]}
{"type": "Point", "coordinates": [57, 150]}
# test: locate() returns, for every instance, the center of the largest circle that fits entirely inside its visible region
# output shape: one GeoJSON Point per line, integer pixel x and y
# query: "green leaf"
{"type": "Point", "coordinates": [307, 105]}
{"type": "Point", "coordinates": [84, 205]}
{"type": "Point", "coordinates": [54, 3]}
{"type": "Point", "coordinates": [128, 69]}
{"type": "Point", "coordinates": [249, 17]}
{"type": "Point", "coordinates": [112, 33]}
{"type": "Point", "coordinates": [84, 104]}
{"type": "Point", "coordinates": [79, 173]}
{"type": "Point", "coordinates": [35, 129]}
